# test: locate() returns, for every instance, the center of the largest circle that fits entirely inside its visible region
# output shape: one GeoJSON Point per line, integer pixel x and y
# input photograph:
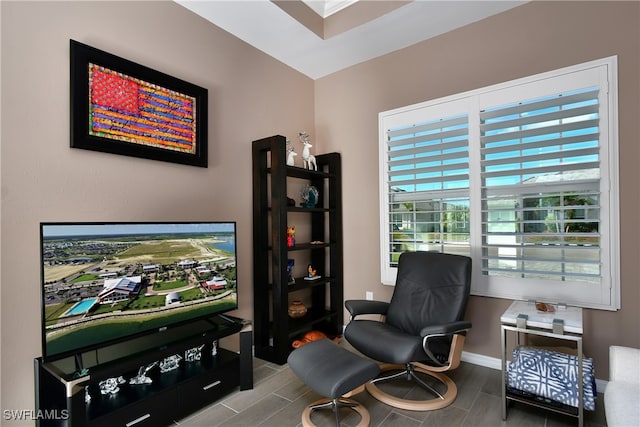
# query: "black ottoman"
{"type": "Point", "coordinates": [332, 371]}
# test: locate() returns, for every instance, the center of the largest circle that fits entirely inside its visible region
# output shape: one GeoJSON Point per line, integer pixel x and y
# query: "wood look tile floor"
{"type": "Point", "coordinates": [278, 398]}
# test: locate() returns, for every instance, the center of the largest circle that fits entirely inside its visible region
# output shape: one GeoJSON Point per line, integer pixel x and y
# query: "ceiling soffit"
{"type": "Point", "coordinates": [347, 18]}
{"type": "Point", "coordinates": [365, 30]}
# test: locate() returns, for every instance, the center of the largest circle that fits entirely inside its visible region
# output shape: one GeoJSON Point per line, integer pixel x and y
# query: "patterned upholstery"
{"type": "Point", "coordinates": [552, 375]}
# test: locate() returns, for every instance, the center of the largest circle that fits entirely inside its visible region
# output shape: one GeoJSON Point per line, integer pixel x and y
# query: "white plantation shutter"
{"type": "Point", "coordinates": [520, 176]}
{"type": "Point", "coordinates": [426, 181]}
{"type": "Point", "coordinates": [541, 188]}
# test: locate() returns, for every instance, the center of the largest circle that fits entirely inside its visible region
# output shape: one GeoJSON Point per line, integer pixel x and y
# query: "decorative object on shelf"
{"type": "Point", "coordinates": [308, 159]}
{"type": "Point", "coordinates": [545, 308]}
{"type": "Point", "coordinates": [111, 385]}
{"type": "Point", "coordinates": [309, 195]}
{"type": "Point", "coordinates": [142, 377]}
{"type": "Point", "coordinates": [297, 309]}
{"type": "Point", "coordinates": [120, 107]}
{"type": "Point", "coordinates": [291, 154]}
{"type": "Point", "coordinates": [291, 236]}
{"type": "Point", "coordinates": [309, 337]}
{"type": "Point", "coordinates": [170, 363]}
{"type": "Point", "coordinates": [291, 202]}
{"type": "Point", "coordinates": [193, 354]}
{"type": "Point", "coordinates": [290, 265]}
{"type": "Point", "coordinates": [312, 273]}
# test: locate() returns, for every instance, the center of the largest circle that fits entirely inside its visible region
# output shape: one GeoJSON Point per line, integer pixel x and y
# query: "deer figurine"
{"type": "Point", "coordinates": [308, 159]}
{"type": "Point", "coordinates": [291, 154]}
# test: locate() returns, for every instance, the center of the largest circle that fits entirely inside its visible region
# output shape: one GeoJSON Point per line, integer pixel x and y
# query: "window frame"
{"type": "Point", "coordinates": [604, 71]}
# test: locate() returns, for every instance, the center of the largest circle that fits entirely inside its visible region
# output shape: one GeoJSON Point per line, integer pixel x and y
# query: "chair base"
{"type": "Point", "coordinates": [415, 405]}
{"type": "Point", "coordinates": [335, 405]}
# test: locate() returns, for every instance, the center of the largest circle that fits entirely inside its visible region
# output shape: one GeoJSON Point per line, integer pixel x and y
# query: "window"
{"type": "Point", "coordinates": [520, 176]}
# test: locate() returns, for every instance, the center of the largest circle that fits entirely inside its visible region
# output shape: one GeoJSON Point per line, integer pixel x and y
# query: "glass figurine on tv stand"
{"type": "Point", "coordinates": [170, 363]}
{"type": "Point", "coordinates": [111, 386]}
{"type": "Point", "coordinates": [193, 354]}
{"type": "Point", "coordinates": [142, 377]}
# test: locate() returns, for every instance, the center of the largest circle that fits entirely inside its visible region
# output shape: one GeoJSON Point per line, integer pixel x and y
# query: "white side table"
{"type": "Point", "coordinates": [522, 318]}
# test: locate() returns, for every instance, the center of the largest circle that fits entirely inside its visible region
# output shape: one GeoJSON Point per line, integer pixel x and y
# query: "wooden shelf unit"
{"type": "Point", "coordinates": [274, 330]}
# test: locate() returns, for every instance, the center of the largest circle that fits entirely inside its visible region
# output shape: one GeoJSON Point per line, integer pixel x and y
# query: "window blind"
{"type": "Point", "coordinates": [540, 173]}
{"type": "Point", "coordinates": [427, 183]}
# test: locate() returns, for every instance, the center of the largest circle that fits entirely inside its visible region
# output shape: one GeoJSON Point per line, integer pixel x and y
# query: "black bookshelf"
{"type": "Point", "coordinates": [274, 330]}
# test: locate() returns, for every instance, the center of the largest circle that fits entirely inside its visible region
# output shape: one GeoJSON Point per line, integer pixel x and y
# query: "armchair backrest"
{"type": "Point", "coordinates": [431, 288]}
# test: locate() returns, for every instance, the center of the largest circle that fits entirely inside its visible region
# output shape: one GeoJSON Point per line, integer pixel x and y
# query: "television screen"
{"type": "Point", "coordinates": [105, 282]}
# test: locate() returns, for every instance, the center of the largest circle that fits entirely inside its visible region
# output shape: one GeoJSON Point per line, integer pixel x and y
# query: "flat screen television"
{"type": "Point", "coordinates": [106, 282]}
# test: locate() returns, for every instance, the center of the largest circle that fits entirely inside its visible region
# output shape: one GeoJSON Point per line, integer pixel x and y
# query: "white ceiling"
{"type": "Point", "coordinates": [267, 27]}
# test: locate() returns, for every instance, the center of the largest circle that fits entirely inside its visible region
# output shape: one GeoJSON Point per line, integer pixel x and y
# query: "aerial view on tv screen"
{"type": "Point", "coordinates": [102, 283]}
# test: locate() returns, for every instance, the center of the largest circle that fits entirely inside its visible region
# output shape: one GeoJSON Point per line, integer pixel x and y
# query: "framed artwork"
{"type": "Point", "coordinates": [118, 106]}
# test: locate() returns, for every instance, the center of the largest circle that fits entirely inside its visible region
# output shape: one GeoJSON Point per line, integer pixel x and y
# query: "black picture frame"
{"type": "Point", "coordinates": [94, 73]}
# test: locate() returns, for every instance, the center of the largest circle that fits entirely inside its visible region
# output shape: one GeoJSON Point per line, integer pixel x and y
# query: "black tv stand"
{"type": "Point", "coordinates": [227, 318]}
{"type": "Point", "coordinates": [214, 357]}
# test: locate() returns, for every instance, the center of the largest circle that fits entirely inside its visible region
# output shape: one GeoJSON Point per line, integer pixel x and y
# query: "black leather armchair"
{"type": "Point", "coordinates": [423, 328]}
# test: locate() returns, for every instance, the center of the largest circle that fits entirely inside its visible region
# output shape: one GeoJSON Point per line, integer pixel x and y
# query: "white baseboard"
{"type": "Point", "coordinates": [482, 360]}
{"type": "Point", "coordinates": [495, 363]}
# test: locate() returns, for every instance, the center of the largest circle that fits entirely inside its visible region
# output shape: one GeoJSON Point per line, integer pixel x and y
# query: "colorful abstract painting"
{"type": "Point", "coordinates": [129, 109]}
{"type": "Point", "coordinates": [121, 107]}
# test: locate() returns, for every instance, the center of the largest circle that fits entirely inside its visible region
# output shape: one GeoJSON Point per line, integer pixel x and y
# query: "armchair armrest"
{"type": "Point", "coordinates": [460, 326]}
{"type": "Point", "coordinates": [457, 329]}
{"type": "Point", "coordinates": [360, 306]}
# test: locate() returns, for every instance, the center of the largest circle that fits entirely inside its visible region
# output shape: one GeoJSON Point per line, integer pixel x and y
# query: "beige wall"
{"type": "Point", "coordinates": [250, 96]}
{"type": "Point", "coordinates": [533, 38]}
